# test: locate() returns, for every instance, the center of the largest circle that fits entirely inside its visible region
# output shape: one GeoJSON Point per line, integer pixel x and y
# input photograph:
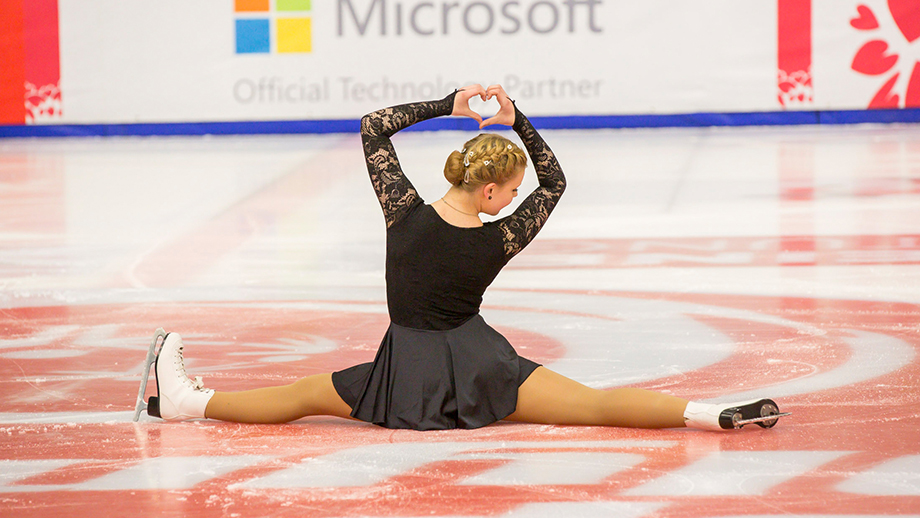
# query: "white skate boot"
{"type": "Point", "coordinates": [178, 397]}
{"type": "Point", "coordinates": [729, 416]}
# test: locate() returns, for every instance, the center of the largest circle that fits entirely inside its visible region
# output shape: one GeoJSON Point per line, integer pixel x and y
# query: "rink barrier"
{"type": "Point", "coordinates": [784, 118]}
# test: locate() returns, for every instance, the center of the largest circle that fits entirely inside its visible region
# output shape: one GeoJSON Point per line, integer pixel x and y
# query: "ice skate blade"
{"type": "Point", "coordinates": [140, 405]}
{"type": "Point", "coordinates": [763, 419]}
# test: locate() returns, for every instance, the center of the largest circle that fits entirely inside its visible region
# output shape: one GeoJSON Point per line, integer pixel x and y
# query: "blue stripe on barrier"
{"type": "Point", "coordinates": [909, 115]}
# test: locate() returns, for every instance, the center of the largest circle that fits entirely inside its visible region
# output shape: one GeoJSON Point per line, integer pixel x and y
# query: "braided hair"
{"type": "Point", "coordinates": [486, 158]}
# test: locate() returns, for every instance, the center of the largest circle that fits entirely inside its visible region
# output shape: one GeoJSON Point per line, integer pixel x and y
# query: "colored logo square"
{"type": "Point", "coordinates": [294, 34]}
{"type": "Point", "coordinates": [292, 5]}
{"type": "Point", "coordinates": [244, 6]}
{"type": "Point", "coordinates": [252, 36]}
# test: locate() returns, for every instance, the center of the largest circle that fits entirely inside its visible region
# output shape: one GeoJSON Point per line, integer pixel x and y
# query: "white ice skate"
{"type": "Point", "coordinates": [729, 416]}
{"type": "Point", "coordinates": [178, 397]}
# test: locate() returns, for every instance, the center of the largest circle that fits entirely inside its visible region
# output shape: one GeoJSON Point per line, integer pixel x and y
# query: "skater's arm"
{"type": "Point", "coordinates": [394, 191]}
{"type": "Point", "coordinates": [522, 226]}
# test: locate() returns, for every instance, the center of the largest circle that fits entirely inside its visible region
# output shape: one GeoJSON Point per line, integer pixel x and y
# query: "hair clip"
{"type": "Point", "coordinates": [486, 162]}
{"type": "Point", "coordinates": [509, 146]}
{"type": "Point", "coordinates": [466, 176]}
{"type": "Point", "coordinates": [466, 159]}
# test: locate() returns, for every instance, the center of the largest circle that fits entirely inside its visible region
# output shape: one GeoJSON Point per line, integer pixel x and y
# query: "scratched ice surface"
{"type": "Point", "coordinates": [706, 263]}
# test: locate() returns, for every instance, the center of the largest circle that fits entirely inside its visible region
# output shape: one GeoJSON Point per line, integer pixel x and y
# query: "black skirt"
{"type": "Point", "coordinates": [466, 377]}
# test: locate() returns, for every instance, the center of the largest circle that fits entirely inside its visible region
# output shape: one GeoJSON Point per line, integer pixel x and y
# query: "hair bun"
{"type": "Point", "coordinates": [487, 158]}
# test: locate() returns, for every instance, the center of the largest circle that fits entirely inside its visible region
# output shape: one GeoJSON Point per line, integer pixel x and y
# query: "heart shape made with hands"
{"type": "Point", "coordinates": [485, 109]}
{"type": "Point", "coordinates": [471, 100]}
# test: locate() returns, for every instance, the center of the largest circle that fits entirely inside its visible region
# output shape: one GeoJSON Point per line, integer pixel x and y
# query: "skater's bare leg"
{"type": "Point", "coordinates": [550, 398]}
{"type": "Point", "coordinates": [313, 395]}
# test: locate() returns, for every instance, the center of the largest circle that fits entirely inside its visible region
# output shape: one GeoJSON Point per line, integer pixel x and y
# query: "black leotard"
{"type": "Point", "coordinates": [440, 365]}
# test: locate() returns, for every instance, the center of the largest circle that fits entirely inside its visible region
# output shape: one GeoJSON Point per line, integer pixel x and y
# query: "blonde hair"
{"type": "Point", "coordinates": [486, 158]}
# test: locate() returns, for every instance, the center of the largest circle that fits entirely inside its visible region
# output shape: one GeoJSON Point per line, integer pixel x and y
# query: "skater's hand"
{"type": "Point", "coordinates": [505, 113]}
{"type": "Point", "coordinates": [462, 101]}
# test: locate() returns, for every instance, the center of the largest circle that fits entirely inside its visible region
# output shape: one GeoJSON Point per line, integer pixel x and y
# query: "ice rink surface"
{"type": "Point", "coordinates": [713, 264]}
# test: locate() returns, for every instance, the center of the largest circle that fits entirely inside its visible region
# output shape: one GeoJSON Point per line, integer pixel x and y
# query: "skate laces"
{"type": "Point", "coordinates": [197, 383]}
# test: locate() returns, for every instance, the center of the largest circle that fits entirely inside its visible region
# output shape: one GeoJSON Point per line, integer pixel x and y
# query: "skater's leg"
{"type": "Point", "coordinates": [313, 395]}
{"type": "Point", "coordinates": [550, 398]}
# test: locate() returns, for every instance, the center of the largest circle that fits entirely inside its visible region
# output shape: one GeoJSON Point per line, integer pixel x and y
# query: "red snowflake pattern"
{"type": "Point", "coordinates": [876, 57]}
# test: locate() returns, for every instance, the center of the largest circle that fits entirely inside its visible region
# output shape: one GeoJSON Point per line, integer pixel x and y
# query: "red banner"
{"type": "Point", "coordinates": [30, 60]}
{"type": "Point", "coordinates": [794, 53]}
{"type": "Point", "coordinates": [12, 62]}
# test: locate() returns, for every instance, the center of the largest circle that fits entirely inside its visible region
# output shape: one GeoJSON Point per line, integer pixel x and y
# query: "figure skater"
{"type": "Point", "coordinates": [440, 365]}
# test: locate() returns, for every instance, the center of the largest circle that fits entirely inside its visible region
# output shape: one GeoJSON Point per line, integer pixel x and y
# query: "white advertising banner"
{"type": "Point", "coordinates": [224, 60]}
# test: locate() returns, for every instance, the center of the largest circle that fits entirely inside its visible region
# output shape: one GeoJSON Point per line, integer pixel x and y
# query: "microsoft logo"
{"type": "Point", "coordinates": [266, 26]}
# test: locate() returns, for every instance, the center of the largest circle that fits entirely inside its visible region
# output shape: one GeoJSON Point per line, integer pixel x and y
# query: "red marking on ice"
{"type": "Point", "coordinates": [765, 354]}
{"type": "Point", "coordinates": [876, 420]}
{"type": "Point", "coordinates": [706, 252]}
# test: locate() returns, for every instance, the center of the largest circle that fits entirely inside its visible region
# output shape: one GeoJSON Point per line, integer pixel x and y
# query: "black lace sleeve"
{"type": "Point", "coordinates": [394, 191]}
{"type": "Point", "coordinates": [522, 226]}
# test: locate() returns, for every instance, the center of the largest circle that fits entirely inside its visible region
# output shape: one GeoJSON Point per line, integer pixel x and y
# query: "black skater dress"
{"type": "Point", "coordinates": [440, 366]}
